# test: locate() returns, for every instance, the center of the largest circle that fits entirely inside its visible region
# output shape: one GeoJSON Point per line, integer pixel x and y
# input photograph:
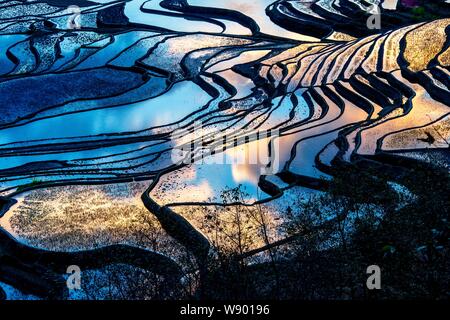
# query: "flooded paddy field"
{"type": "Point", "coordinates": [190, 149]}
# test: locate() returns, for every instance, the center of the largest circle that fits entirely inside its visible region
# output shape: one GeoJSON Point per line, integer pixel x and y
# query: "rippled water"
{"type": "Point", "coordinates": [105, 105]}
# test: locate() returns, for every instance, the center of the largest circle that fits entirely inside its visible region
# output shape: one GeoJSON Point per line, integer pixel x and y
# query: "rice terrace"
{"type": "Point", "coordinates": [224, 150]}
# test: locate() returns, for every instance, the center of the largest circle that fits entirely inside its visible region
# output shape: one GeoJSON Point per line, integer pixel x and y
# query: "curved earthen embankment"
{"type": "Point", "coordinates": [40, 272]}
{"type": "Point", "coordinates": [182, 231]}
